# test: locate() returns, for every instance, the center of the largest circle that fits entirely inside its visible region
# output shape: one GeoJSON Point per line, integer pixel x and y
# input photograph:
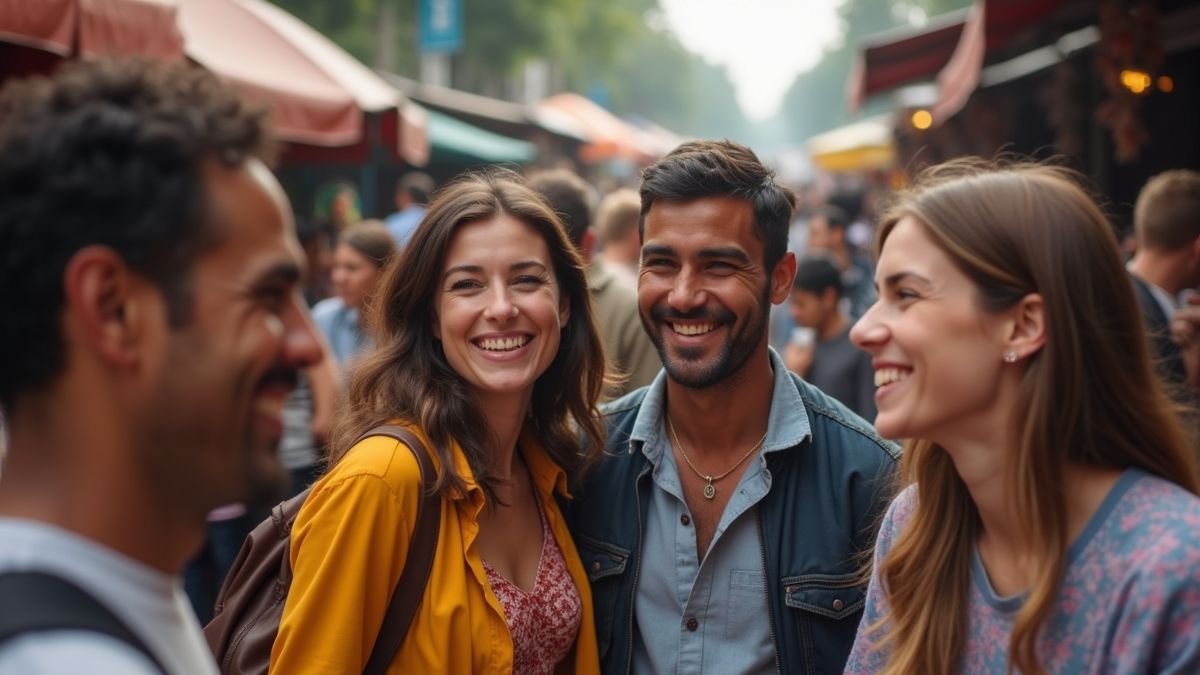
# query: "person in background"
{"type": "Point", "coordinates": [1166, 223]}
{"type": "Point", "coordinates": [363, 252]}
{"type": "Point", "coordinates": [629, 351]}
{"type": "Point", "coordinates": [822, 352]}
{"type": "Point", "coordinates": [488, 352]}
{"type": "Point", "coordinates": [724, 526]}
{"type": "Point", "coordinates": [617, 220]}
{"type": "Point", "coordinates": [152, 327]}
{"type": "Point", "coordinates": [1049, 521]}
{"type": "Point", "coordinates": [827, 234]}
{"type": "Point", "coordinates": [337, 206]}
{"type": "Point", "coordinates": [412, 194]}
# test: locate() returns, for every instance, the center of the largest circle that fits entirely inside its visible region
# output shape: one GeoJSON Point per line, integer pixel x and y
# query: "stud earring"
{"type": "Point", "coordinates": [1010, 357]}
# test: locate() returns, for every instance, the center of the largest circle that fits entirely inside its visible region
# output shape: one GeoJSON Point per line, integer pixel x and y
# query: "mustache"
{"type": "Point", "coordinates": [663, 313]}
{"type": "Point", "coordinates": [280, 375]}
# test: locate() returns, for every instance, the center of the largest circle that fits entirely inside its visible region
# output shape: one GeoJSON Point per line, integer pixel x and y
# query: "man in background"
{"type": "Point", "coordinates": [617, 229]}
{"type": "Point", "coordinates": [152, 327]}
{"type": "Point", "coordinates": [412, 194]}
{"type": "Point", "coordinates": [628, 348]}
{"type": "Point", "coordinates": [1166, 222]}
{"type": "Point", "coordinates": [821, 351]}
{"type": "Point", "coordinates": [827, 233]}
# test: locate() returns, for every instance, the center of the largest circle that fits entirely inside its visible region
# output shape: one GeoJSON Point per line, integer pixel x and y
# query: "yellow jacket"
{"type": "Point", "coordinates": [349, 543]}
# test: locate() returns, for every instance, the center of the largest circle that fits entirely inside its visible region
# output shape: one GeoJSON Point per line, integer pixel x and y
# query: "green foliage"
{"type": "Point", "coordinates": [614, 46]}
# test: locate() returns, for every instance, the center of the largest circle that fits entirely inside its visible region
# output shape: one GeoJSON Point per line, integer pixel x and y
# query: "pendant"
{"type": "Point", "coordinates": [710, 490]}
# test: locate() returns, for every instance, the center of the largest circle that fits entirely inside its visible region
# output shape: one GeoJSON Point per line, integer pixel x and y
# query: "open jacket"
{"type": "Point", "coordinates": [349, 545]}
{"type": "Point", "coordinates": [827, 497]}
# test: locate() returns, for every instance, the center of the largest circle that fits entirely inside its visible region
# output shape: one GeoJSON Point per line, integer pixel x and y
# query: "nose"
{"type": "Point", "coordinates": [301, 346]}
{"type": "Point", "coordinates": [869, 331]}
{"type": "Point", "coordinates": [500, 306]}
{"type": "Point", "coordinates": [686, 293]}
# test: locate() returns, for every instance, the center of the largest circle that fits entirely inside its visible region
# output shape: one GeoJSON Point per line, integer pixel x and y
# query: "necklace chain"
{"type": "Point", "coordinates": [710, 490]}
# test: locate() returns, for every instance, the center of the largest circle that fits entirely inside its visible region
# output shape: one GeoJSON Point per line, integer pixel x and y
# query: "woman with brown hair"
{"type": "Point", "coordinates": [486, 350]}
{"type": "Point", "coordinates": [1050, 522]}
{"type": "Point", "coordinates": [362, 254]}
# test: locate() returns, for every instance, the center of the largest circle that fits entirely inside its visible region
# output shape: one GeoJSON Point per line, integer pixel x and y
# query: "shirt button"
{"type": "Point", "coordinates": [692, 625]}
{"type": "Point", "coordinates": [596, 567]}
{"type": "Point", "coordinates": [685, 520]}
{"type": "Point", "coordinates": [837, 605]}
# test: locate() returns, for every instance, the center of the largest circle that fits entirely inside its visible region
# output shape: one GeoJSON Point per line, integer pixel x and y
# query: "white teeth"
{"type": "Point", "coordinates": [889, 375]}
{"type": "Point", "coordinates": [503, 344]}
{"type": "Point", "coordinates": [693, 329]}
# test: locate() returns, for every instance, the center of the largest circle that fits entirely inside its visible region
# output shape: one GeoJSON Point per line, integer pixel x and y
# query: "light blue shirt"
{"type": "Point", "coordinates": [341, 328]}
{"type": "Point", "coordinates": [402, 224]}
{"type": "Point", "coordinates": [726, 591]}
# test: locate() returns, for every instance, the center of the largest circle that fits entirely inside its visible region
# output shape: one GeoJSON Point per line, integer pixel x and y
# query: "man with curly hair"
{"type": "Point", "coordinates": [152, 326]}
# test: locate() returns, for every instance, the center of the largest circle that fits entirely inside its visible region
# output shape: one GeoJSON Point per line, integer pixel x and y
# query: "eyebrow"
{"type": "Point", "coordinates": [478, 269]}
{"type": "Point", "coordinates": [893, 279]}
{"type": "Point", "coordinates": [286, 271]}
{"type": "Point", "coordinates": [717, 252]}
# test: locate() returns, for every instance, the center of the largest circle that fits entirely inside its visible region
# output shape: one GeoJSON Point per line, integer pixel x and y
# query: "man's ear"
{"type": "Point", "coordinates": [1026, 328]}
{"type": "Point", "coordinates": [782, 277]}
{"type": "Point", "coordinates": [107, 303]}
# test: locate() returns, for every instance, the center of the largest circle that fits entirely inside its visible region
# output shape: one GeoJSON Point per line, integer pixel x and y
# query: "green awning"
{"type": "Point", "coordinates": [448, 135]}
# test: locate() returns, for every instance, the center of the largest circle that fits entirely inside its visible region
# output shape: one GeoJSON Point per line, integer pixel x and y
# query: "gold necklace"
{"type": "Point", "coordinates": [710, 490]}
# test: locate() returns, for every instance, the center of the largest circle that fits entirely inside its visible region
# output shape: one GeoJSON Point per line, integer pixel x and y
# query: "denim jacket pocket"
{"type": "Point", "coordinates": [833, 596]}
{"type": "Point", "coordinates": [605, 565]}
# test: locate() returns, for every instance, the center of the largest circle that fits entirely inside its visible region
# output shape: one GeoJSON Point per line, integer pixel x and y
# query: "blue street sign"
{"type": "Point", "coordinates": [441, 26]}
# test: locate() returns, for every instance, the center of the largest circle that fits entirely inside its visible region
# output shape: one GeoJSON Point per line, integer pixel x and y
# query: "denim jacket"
{"type": "Point", "coordinates": [828, 494]}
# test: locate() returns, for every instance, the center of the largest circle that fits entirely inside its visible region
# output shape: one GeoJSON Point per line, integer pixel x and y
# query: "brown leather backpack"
{"type": "Point", "coordinates": [250, 604]}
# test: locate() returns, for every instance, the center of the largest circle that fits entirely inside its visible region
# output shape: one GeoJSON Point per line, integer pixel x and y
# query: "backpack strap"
{"type": "Point", "coordinates": [421, 547]}
{"type": "Point", "coordinates": [36, 601]}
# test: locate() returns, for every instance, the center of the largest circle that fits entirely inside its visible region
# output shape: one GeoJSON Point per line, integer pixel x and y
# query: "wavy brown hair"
{"type": "Point", "coordinates": [406, 376]}
{"type": "Point", "coordinates": [1089, 396]}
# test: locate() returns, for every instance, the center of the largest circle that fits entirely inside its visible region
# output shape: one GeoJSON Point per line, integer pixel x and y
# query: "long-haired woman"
{"type": "Point", "coordinates": [362, 254]}
{"type": "Point", "coordinates": [1050, 522]}
{"type": "Point", "coordinates": [486, 349]}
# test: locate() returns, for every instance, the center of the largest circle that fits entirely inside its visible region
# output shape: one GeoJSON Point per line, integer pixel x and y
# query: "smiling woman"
{"type": "Point", "coordinates": [486, 349]}
{"type": "Point", "coordinates": [1051, 504]}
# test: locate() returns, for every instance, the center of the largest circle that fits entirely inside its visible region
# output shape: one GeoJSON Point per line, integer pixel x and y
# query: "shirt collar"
{"type": "Point", "coordinates": [787, 423]}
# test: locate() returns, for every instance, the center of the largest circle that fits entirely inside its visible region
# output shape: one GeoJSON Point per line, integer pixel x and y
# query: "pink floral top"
{"type": "Point", "coordinates": [543, 622]}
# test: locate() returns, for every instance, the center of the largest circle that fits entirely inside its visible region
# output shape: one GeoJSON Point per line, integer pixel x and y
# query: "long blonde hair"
{"type": "Point", "coordinates": [1089, 396]}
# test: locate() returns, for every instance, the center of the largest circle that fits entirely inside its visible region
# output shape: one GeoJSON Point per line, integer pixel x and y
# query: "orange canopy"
{"type": "Point", "coordinates": [609, 137]}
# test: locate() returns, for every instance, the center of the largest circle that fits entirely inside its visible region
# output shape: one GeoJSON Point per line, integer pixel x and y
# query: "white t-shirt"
{"type": "Point", "coordinates": [152, 604]}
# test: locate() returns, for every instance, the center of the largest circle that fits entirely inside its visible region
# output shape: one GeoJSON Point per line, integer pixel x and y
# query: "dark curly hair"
{"type": "Point", "coordinates": [107, 152]}
{"type": "Point", "coordinates": [698, 169]}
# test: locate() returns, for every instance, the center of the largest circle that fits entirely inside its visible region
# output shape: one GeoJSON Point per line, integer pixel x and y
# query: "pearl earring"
{"type": "Point", "coordinates": [1010, 357]}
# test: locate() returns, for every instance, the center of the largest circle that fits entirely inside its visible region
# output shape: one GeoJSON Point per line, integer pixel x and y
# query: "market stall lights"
{"type": "Point", "coordinates": [1137, 81]}
{"type": "Point", "coordinates": [922, 119]}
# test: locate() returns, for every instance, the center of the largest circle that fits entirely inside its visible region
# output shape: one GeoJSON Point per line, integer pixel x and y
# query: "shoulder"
{"type": "Point", "coordinates": [1158, 527]}
{"type": "Point", "coordinates": [72, 651]}
{"type": "Point", "coordinates": [327, 308]}
{"type": "Point", "coordinates": [377, 463]}
{"type": "Point", "coordinates": [837, 428]}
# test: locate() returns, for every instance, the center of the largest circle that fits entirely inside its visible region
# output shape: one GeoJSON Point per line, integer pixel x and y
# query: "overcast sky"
{"type": "Point", "coordinates": [763, 43]}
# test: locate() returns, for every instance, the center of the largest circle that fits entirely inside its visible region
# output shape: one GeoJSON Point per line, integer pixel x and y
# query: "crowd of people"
{"type": "Point", "coordinates": [973, 450]}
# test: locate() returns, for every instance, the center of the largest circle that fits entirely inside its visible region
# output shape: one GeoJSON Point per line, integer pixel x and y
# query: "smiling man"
{"type": "Point", "coordinates": [152, 328]}
{"type": "Point", "coordinates": [722, 534]}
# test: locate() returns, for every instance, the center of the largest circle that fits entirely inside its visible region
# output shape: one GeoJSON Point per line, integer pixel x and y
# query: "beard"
{"type": "Point", "coordinates": [686, 365]}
